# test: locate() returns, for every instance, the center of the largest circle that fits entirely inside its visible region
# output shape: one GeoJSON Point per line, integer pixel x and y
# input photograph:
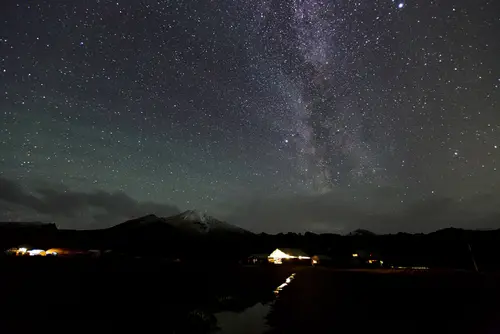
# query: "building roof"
{"type": "Point", "coordinates": [293, 251]}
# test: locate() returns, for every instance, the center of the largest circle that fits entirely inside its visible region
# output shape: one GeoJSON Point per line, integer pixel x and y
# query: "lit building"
{"type": "Point", "coordinates": [367, 258]}
{"type": "Point", "coordinates": [59, 252]}
{"type": "Point", "coordinates": [281, 255]}
{"type": "Point", "coordinates": [321, 259]}
{"type": "Point", "coordinates": [18, 251]}
{"type": "Point", "coordinates": [36, 252]}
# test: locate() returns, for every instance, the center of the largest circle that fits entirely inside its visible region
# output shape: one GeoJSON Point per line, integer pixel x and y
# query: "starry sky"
{"type": "Point", "coordinates": [274, 115]}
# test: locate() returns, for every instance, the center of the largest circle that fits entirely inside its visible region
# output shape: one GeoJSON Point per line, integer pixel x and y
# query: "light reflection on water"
{"type": "Point", "coordinates": [287, 281]}
{"type": "Point", "coordinates": [251, 320]}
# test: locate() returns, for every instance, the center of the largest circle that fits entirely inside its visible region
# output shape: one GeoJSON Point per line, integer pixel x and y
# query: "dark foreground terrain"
{"type": "Point", "coordinates": [382, 301]}
{"type": "Point", "coordinates": [42, 295]}
{"type": "Point", "coordinates": [94, 296]}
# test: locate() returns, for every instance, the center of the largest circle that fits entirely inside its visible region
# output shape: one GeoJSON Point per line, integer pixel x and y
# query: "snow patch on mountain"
{"type": "Point", "coordinates": [204, 223]}
{"type": "Point", "coordinates": [195, 216]}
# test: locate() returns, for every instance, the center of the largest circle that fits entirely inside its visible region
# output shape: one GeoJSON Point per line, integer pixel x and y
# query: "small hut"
{"type": "Point", "coordinates": [368, 258]}
{"type": "Point", "coordinates": [320, 259]}
{"type": "Point", "coordinates": [257, 259]}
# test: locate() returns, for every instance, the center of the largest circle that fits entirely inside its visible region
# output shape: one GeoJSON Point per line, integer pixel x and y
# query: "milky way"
{"type": "Point", "coordinates": [273, 115]}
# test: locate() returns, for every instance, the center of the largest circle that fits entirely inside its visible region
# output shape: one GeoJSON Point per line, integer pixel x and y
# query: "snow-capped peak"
{"type": "Point", "coordinates": [195, 216]}
{"type": "Point", "coordinates": [190, 220]}
{"type": "Point", "coordinates": [204, 223]}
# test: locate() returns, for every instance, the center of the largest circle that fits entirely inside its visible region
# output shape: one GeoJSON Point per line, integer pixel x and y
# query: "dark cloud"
{"type": "Point", "coordinates": [73, 209]}
{"type": "Point", "coordinates": [378, 210]}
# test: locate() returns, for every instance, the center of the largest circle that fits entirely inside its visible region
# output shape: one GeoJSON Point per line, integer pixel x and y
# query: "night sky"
{"type": "Point", "coordinates": [274, 115]}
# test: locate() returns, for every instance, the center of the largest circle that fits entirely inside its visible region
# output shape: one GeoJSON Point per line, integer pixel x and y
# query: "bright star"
{"type": "Point", "coordinates": [401, 5]}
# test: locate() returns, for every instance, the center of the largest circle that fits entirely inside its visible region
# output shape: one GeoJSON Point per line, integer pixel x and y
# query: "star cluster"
{"type": "Point", "coordinates": [221, 105]}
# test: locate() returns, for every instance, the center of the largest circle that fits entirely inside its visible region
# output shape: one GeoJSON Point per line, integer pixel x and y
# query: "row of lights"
{"type": "Point", "coordinates": [30, 252]}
